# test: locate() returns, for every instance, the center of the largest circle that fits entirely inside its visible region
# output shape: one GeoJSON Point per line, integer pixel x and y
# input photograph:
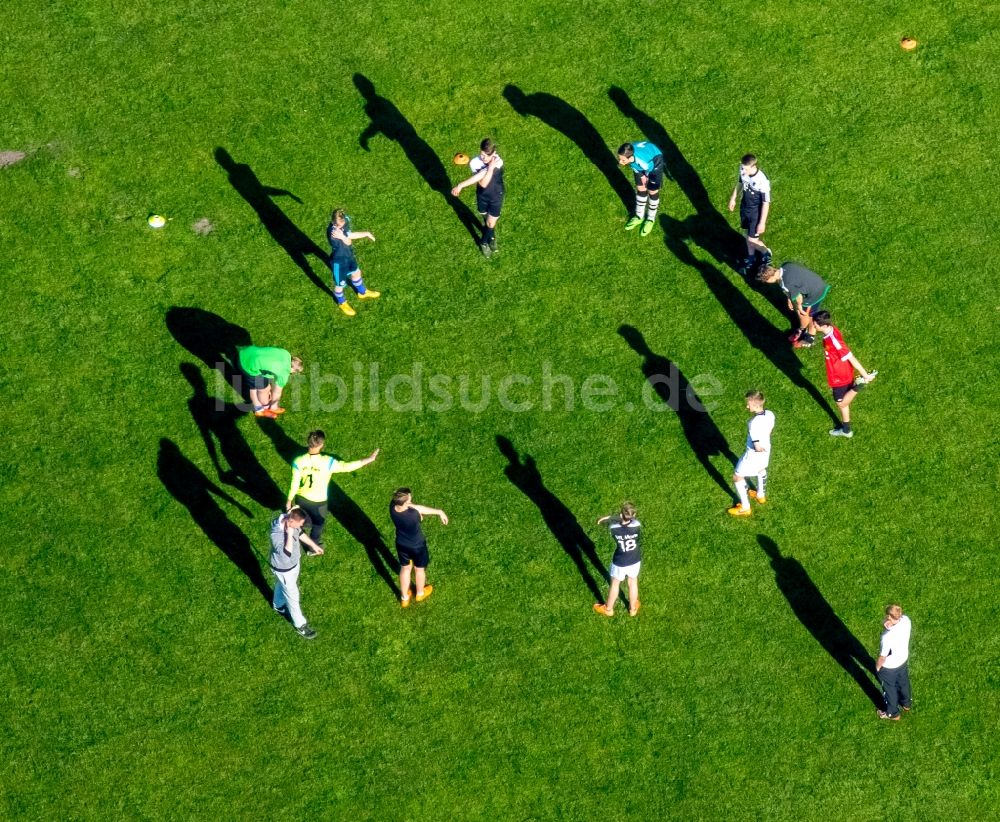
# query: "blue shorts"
{"type": "Point", "coordinates": [343, 270]}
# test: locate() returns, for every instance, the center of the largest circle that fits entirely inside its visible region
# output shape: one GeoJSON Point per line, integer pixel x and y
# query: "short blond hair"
{"type": "Point", "coordinates": [893, 611]}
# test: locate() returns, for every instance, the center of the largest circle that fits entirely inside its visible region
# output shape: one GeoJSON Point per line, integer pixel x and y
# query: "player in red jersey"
{"type": "Point", "coordinates": [840, 367]}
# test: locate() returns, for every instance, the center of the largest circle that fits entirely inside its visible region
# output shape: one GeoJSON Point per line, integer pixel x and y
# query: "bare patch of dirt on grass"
{"type": "Point", "coordinates": [9, 158]}
{"type": "Point", "coordinates": [203, 226]}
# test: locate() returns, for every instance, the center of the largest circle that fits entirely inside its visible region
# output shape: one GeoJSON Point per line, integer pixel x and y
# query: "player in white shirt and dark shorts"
{"type": "Point", "coordinates": [487, 176]}
{"type": "Point", "coordinates": [756, 457]}
{"type": "Point", "coordinates": [627, 560]}
{"type": "Point", "coordinates": [754, 209]}
{"type": "Point", "coordinates": [891, 666]}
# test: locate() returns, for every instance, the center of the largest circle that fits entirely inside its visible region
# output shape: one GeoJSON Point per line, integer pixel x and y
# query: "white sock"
{"type": "Point", "coordinates": [654, 204]}
{"type": "Point", "coordinates": [762, 484]}
{"type": "Point", "coordinates": [741, 489]}
{"type": "Point", "coordinates": [640, 205]}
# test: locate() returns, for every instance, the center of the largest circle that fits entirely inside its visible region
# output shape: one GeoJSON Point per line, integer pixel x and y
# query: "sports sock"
{"type": "Point", "coordinates": [654, 204]}
{"type": "Point", "coordinates": [640, 204]}
{"type": "Point", "coordinates": [359, 285]}
{"type": "Point", "coordinates": [339, 296]}
{"type": "Point", "coordinates": [741, 489]}
{"type": "Point", "coordinates": [259, 407]}
{"type": "Point", "coordinates": [846, 426]}
{"type": "Point", "coordinates": [489, 234]}
{"type": "Point", "coordinates": [762, 484]}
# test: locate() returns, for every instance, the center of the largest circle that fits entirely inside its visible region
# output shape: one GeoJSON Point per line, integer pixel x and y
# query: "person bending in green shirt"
{"type": "Point", "coordinates": [267, 370]}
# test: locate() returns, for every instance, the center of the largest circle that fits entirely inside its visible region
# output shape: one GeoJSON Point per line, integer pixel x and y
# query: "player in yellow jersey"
{"type": "Point", "coordinates": [311, 479]}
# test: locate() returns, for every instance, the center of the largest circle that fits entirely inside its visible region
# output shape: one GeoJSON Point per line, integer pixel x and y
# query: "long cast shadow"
{"type": "Point", "coordinates": [196, 492]}
{"type": "Point", "coordinates": [212, 340]}
{"type": "Point", "coordinates": [388, 120]}
{"type": "Point", "coordinates": [673, 388]}
{"type": "Point", "coordinates": [345, 510]}
{"type": "Point", "coordinates": [285, 233]}
{"type": "Point", "coordinates": [760, 332]}
{"type": "Point", "coordinates": [570, 122]}
{"type": "Point", "coordinates": [816, 615]}
{"type": "Point", "coordinates": [525, 476]}
{"type": "Point", "coordinates": [218, 423]}
{"type": "Point", "coordinates": [708, 227]}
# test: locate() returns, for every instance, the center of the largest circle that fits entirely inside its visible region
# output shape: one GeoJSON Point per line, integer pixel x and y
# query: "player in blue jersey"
{"type": "Point", "coordinates": [626, 562]}
{"type": "Point", "coordinates": [646, 162]}
{"type": "Point", "coordinates": [343, 264]}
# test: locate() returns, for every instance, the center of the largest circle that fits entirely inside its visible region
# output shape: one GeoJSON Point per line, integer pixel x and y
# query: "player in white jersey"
{"type": "Point", "coordinates": [487, 176]}
{"type": "Point", "coordinates": [756, 457]}
{"type": "Point", "coordinates": [754, 209]}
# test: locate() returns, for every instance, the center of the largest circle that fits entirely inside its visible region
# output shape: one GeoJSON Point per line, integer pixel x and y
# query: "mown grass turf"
{"type": "Point", "coordinates": [146, 675]}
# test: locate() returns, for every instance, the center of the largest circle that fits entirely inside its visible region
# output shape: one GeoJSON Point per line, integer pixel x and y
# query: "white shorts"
{"type": "Point", "coordinates": [752, 462]}
{"type": "Point", "coordinates": [628, 571]}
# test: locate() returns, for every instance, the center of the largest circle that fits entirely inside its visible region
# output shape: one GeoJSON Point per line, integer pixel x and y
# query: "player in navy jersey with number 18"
{"type": "Point", "coordinates": [625, 564]}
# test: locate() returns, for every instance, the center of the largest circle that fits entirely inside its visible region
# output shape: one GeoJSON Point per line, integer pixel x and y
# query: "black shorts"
{"type": "Point", "coordinates": [748, 221]}
{"type": "Point", "coordinates": [654, 179]}
{"type": "Point", "coordinates": [842, 391]}
{"type": "Point", "coordinates": [487, 203]}
{"type": "Point", "coordinates": [420, 557]}
{"type": "Point", "coordinates": [257, 383]}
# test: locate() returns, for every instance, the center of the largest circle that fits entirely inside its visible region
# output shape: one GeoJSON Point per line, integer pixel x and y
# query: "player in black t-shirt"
{"type": "Point", "coordinates": [411, 544]}
{"type": "Point", "coordinates": [625, 564]}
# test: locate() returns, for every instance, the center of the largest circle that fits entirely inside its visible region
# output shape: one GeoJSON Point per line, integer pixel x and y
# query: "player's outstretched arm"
{"type": "Point", "coordinates": [424, 510]}
{"type": "Point", "coordinates": [347, 467]}
{"type": "Point", "coordinates": [362, 235]}
{"type": "Point", "coordinates": [602, 520]}
{"type": "Point", "coordinates": [475, 178]}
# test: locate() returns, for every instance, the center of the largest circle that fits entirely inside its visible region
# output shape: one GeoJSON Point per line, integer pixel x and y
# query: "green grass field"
{"type": "Point", "coordinates": [146, 676]}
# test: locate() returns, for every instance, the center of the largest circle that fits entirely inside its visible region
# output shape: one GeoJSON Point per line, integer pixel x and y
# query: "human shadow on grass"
{"type": "Point", "coordinates": [673, 388]}
{"type": "Point", "coordinates": [816, 615]}
{"type": "Point", "coordinates": [559, 115]}
{"type": "Point", "coordinates": [214, 341]}
{"type": "Point", "coordinates": [760, 332]}
{"type": "Point", "coordinates": [344, 510]}
{"type": "Point", "coordinates": [218, 424]}
{"type": "Point", "coordinates": [707, 227]}
{"type": "Point", "coordinates": [196, 492]}
{"type": "Point", "coordinates": [525, 476]}
{"type": "Point", "coordinates": [388, 120]}
{"type": "Point", "coordinates": [296, 243]}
